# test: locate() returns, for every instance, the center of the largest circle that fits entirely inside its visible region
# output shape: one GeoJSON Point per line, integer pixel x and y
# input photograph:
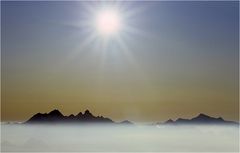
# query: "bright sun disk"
{"type": "Point", "coordinates": [108, 22]}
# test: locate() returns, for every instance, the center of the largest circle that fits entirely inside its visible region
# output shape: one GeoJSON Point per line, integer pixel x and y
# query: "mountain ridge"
{"type": "Point", "coordinates": [199, 119]}
{"type": "Point", "coordinates": [55, 116]}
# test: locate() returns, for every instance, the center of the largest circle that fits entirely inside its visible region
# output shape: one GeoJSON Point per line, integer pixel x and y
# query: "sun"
{"type": "Point", "coordinates": [108, 22]}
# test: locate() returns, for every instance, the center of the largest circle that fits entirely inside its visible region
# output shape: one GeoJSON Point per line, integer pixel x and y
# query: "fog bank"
{"type": "Point", "coordinates": [107, 138]}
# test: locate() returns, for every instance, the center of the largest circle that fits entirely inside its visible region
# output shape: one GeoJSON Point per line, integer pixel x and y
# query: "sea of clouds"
{"type": "Point", "coordinates": [120, 138]}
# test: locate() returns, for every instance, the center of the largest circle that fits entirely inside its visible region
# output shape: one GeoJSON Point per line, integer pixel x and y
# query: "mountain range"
{"type": "Point", "coordinates": [56, 116]}
{"type": "Point", "coordinates": [200, 119]}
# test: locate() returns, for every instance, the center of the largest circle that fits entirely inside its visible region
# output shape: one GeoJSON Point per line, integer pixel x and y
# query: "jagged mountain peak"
{"type": "Point", "coordinates": [56, 116]}
{"type": "Point", "coordinates": [79, 114]}
{"type": "Point", "coordinates": [169, 121]}
{"type": "Point", "coordinates": [87, 113]}
{"type": "Point", "coordinates": [200, 119]}
{"type": "Point", "coordinates": [71, 115]}
{"type": "Point", "coordinates": [55, 112]}
{"type": "Point", "coordinates": [201, 115]}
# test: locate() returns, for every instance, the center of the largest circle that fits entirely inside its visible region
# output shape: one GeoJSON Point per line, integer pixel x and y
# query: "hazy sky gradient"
{"type": "Point", "coordinates": [182, 61]}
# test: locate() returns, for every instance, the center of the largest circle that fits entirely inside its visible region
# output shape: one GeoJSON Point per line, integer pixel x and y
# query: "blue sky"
{"type": "Point", "coordinates": [182, 60]}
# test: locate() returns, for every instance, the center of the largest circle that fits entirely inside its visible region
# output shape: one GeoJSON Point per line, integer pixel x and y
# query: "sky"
{"type": "Point", "coordinates": [170, 60]}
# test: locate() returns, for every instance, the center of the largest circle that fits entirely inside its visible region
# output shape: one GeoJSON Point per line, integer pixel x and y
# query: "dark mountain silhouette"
{"type": "Point", "coordinates": [200, 119]}
{"type": "Point", "coordinates": [56, 116]}
{"type": "Point", "coordinates": [126, 122]}
{"type": "Point", "coordinates": [169, 121]}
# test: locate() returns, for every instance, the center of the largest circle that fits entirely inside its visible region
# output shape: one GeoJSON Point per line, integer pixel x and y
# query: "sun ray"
{"type": "Point", "coordinates": [107, 23]}
{"type": "Point", "coordinates": [82, 46]}
{"type": "Point", "coordinates": [127, 53]}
